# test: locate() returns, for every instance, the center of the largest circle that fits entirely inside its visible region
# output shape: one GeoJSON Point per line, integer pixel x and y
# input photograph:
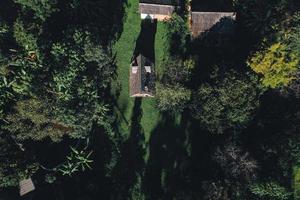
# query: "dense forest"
{"type": "Point", "coordinates": [224, 124]}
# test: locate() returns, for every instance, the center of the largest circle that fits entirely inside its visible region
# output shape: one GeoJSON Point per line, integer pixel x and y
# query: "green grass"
{"type": "Point", "coordinates": [296, 182]}
{"type": "Point", "coordinates": [124, 48]}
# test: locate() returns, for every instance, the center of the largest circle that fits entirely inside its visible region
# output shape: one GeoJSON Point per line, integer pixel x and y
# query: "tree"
{"type": "Point", "coordinates": [291, 36]}
{"type": "Point", "coordinates": [34, 120]}
{"type": "Point", "coordinates": [237, 164]}
{"type": "Point", "coordinates": [270, 191]}
{"type": "Point", "coordinates": [177, 70]}
{"type": "Point", "coordinates": [83, 72]}
{"type": "Point", "coordinates": [25, 39]}
{"type": "Point", "coordinates": [77, 161]}
{"type": "Point", "coordinates": [173, 98]}
{"type": "Point", "coordinates": [178, 35]}
{"type": "Point", "coordinates": [276, 64]}
{"type": "Point", "coordinates": [230, 103]}
{"type": "Point", "coordinates": [263, 17]}
{"type": "Point", "coordinates": [15, 163]}
{"type": "Point", "coordinates": [42, 9]}
{"type": "Point", "coordinates": [214, 190]}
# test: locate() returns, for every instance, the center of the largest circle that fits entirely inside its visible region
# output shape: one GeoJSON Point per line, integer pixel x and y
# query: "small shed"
{"type": "Point", "coordinates": [157, 9]}
{"type": "Point", "coordinates": [203, 21]}
{"type": "Point", "coordinates": [26, 186]}
{"type": "Point", "coordinates": [142, 77]}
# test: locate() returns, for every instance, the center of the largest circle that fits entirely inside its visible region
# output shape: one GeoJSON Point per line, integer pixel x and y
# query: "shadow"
{"type": "Point", "coordinates": [272, 134]}
{"type": "Point", "coordinates": [131, 161]}
{"type": "Point", "coordinates": [104, 19]}
{"type": "Point", "coordinates": [146, 40]}
{"type": "Point", "coordinates": [115, 166]}
{"type": "Point", "coordinates": [168, 160]}
{"type": "Point", "coordinates": [7, 11]}
{"type": "Point", "coordinates": [212, 5]}
{"type": "Point", "coordinates": [216, 49]}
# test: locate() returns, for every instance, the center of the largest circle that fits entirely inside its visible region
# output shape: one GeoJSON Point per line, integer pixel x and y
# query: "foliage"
{"type": "Point", "coordinates": [296, 182]}
{"type": "Point", "coordinates": [55, 79]}
{"type": "Point", "coordinates": [33, 119]}
{"type": "Point", "coordinates": [235, 162]}
{"type": "Point", "coordinates": [15, 164]}
{"type": "Point", "coordinates": [230, 103]}
{"type": "Point", "coordinates": [172, 98]}
{"type": "Point", "coordinates": [56, 70]}
{"type": "Point", "coordinates": [291, 37]}
{"type": "Point", "coordinates": [276, 64]}
{"type": "Point", "coordinates": [270, 191]}
{"type": "Point", "coordinates": [177, 70]}
{"type": "Point", "coordinates": [214, 190]}
{"type": "Point", "coordinates": [77, 161]}
{"type": "Point", "coordinates": [50, 178]}
{"type": "Point", "coordinates": [136, 191]}
{"type": "Point", "coordinates": [263, 17]}
{"type": "Point", "coordinates": [178, 35]}
{"type": "Point", "coordinates": [89, 70]}
{"type": "Point", "coordinates": [42, 9]}
{"type": "Point", "coordinates": [23, 38]}
{"type": "Point", "coordinates": [3, 29]}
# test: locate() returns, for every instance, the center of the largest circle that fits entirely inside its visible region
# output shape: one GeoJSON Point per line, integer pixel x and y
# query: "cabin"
{"type": "Point", "coordinates": [142, 77]}
{"type": "Point", "coordinates": [157, 9]}
{"type": "Point", "coordinates": [26, 186]}
{"type": "Point", "coordinates": [207, 14]}
{"type": "Point", "coordinates": [201, 22]}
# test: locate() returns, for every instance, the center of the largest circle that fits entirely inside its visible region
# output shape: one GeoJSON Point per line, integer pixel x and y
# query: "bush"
{"type": "Point", "coordinates": [270, 191]}
{"type": "Point", "coordinates": [172, 98]}
{"type": "Point", "coordinates": [277, 65]}
{"type": "Point", "coordinates": [230, 103]}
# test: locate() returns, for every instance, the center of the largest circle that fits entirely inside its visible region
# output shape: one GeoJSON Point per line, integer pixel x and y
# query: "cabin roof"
{"type": "Point", "coordinates": [142, 77]}
{"type": "Point", "coordinates": [161, 2]}
{"type": "Point", "coordinates": [157, 9]}
{"type": "Point", "coordinates": [203, 21]}
{"type": "Point", "coordinates": [26, 186]}
{"type": "Point", "coordinates": [212, 5]}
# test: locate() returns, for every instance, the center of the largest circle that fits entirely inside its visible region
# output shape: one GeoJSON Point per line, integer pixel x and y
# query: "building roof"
{"type": "Point", "coordinates": [142, 77]}
{"type": "Point", "coordinates": [157, 9]}
{"type": "Point", "coordinates": [204, 21]}
{"type": "Point", "coordinates": [26, 186]}
{"type": "Point", "coordinates": [212, 5]}
{"type": "Point", "coordinates": [162, 2]}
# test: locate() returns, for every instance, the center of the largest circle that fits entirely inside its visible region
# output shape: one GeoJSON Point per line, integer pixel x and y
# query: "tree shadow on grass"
{"type": "Point", "coordinates": [146, 40]}
{"type": "Point", "coordinates": [218, 50]}
{"type": "Point", "coordinates": [167, 162]}
{"type": "Point", "coordinates": [180, 159]}
{"type": "Point", "coordinates": [145, 46]}
{"type": "Point", "coordinates": [132, 155]}
{"type": "Point", "coordinates": [104, 19]}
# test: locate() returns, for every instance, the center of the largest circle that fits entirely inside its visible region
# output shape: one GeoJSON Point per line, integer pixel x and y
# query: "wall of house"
{"type": "Point", "coordinates": [155, 16]}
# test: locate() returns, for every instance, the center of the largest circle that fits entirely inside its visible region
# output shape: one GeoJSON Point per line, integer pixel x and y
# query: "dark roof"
{"type": "Point", "coordinates": [142, 83]}
{"type": "Point", "coordinates": [147, 8]}
{"type": "Point", "coordinates": [161, 2]}
{"type": "Point", "coordinates": [212, 5]}
{"type": "Point", "coordinates": [204, 21]}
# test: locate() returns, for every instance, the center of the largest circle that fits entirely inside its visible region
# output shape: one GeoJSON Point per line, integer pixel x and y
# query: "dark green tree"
{"type": "Point", "coordinates": [230, 103]}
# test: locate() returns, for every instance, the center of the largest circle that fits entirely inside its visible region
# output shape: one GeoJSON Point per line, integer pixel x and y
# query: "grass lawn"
{"type": "Point", "coordinates": [296, 182]}
{"type": "Point", "coordinates": [124, 49]}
